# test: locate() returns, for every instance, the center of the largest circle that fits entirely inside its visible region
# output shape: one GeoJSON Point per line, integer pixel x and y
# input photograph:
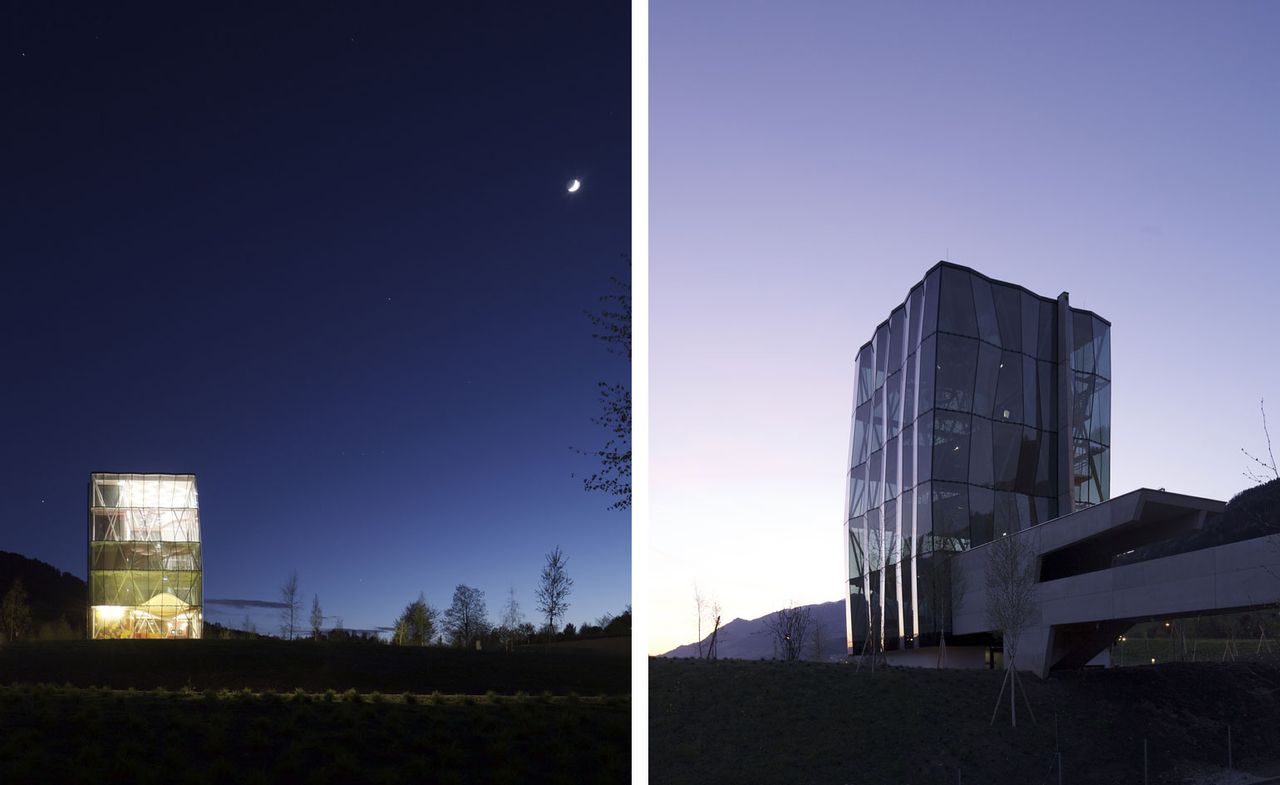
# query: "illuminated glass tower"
{"type": "Point", "coordinates": [144, 556]}
{"type": "Point", "coordinates": [980, 408]}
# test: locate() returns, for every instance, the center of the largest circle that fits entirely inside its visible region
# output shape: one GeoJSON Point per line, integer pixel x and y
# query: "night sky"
{"type": "Point", "coordinates": [325, 260]}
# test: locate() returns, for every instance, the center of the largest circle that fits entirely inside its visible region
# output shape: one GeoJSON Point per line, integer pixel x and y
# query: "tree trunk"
{"type": "Point", "coordinates": [1013, 688]}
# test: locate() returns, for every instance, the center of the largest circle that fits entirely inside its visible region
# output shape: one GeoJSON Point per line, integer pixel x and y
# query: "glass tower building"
{"type": "Point", "coordinates": [980, 408]}
{"type": "Point", "coordinates": [144, 556]}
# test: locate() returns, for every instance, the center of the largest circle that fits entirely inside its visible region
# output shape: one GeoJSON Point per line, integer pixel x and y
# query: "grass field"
{"type": "Point", "coordinates": [283, 665]}
{"type": "Point", "coordinates": [774, 722]}
{"type": "Point", "coordinates": [257, 711]}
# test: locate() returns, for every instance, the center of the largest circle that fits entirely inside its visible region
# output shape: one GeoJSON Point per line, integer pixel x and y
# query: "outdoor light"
{"type": "Point", "coordinates": [1153, 660]}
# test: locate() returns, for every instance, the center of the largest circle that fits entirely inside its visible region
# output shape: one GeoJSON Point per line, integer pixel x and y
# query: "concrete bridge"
{"type": "Point", "coordinates": [1085, 602]}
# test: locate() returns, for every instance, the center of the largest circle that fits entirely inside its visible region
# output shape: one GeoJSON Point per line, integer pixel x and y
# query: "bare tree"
{"type": "Point", "coordinates": [1011, 605]}
{"type": "Point", "coordinates": [816, 637]}
{"type": "Point", "coordinates": [511, 618]}
{"type": "Point", "coordinates": [1263, 471]}
{"type": "Point", "coordinates": [613, 326]}
{"type": "Point", "coordinates": [317, 616]}
{"type": "Point", "coordinates": [15, 612]}
{"type": "Point", "coordinates": [554, 588]}
{"type": "Point", "coordinates": [465, 619]}
{"type": "Point", "coordinates": [416, 624]}
{"type": "Point", "coordinates": [699, 605]}
{"type": "Point", "coordinates": [790, 627]}
{"type": "Point", "coordinates": [715, 629]}
{"type": "Point", "coordinates": [291, 610]}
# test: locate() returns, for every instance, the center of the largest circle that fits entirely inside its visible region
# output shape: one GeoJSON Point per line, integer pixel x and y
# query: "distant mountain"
{"type": "Point", "coordinates": [54, 596]}
{"type": "Point", "coordinates": [751, 639]}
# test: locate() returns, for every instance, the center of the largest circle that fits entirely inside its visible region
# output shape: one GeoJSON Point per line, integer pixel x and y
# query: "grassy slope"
{"type": "Point", "coordinates": [748, 722]}
{"type": "Point", "coordinates": [69, 734]}
{"type": "Point", "coordinates": [282, 665]}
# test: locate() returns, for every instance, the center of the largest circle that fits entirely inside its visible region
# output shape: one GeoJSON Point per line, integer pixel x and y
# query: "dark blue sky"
{"type": "Point", "coordinates": [325, 260]}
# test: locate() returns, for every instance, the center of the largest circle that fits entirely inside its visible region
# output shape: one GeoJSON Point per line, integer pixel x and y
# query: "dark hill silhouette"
{"type": "Point", "coordinates": [751, 639]}
{"type": "Point", "coordinates": [53, 595]}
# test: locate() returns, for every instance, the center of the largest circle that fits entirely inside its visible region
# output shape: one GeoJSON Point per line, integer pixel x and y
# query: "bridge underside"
{"type": "Point", "coordinates": [1084, 605]}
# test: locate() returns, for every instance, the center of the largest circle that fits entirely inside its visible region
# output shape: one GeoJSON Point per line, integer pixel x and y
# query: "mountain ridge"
{"type": "Point", "coordinates": [751, 639]}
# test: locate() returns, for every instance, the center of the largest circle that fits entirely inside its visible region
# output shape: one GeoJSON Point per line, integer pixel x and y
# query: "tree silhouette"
{"type": "Point", "coordinates": [317, 616]}
{"type": "Point", "coordinates": [554, 588]}
{"type": "Point", "coordinates": [291, 600]}
{"type": "Point", "coordinates": [613, 327]}
{"type": "Point", "coordinates": [15, 612]}
{"type": "Point", "coordinates": [465, 618]}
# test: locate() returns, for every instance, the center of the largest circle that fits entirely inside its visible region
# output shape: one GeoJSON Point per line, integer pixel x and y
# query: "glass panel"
{"type": "Point", "coordinates": [924, 446]}
{"type": "Point", "coordinates": [891, 469]}
{"type": "Point", "coordinates": [891, 606]}
{"type": "Point", "coordinates": [1008, 406]}
{"type": "Point", "coordinates": [914, 303]}
{"type": "Point", "coordinates": [1031, 325]}
{"type": "Point", "coordinates": [909, 391]}
{"type": "Point", "coordinates": [893, 403]}
{"type": "Point", "coordinates": [1103, 462]}
{"type": "Point", "coordinates": [857, 549]}
{"type": "Point", "coordinates": [981, 515]}
{"type": "Point", "coordinates": [928, 372]}
{"type": "Point", "coordinates": [950, 446]}
{"type": "Point", "coordinates": [1046, 412]}
{"type": "Point", "coordinates": [980, 452]}
{"type": "Point", "coordinates": [862, 432]}
{"type": "Point", "coordinates": [1009, 316]}
{"type": "Point", "coordinates": [1006, 441]}
{"type": "Point", "coordinates": [1024, 511]}
{"type": "Point", "coordinates": [988, 326]}
{"type": "Point", "coordinates": [1048, 337]}
{"type": "Point", "coordinates": [1046, 466]}
{"type": "Point", "coordinates": [882, 352]}
{"type": "Point", "coordinates": [908, 457]}
{"type": "Point", "coordinates": [1040, 510]}
{"type": "Point", "coordinates": [950, 516]}
{"type": "Point", "coordinates": [1082, 340]}
{"type": "Point", "coordinates": [866, 373]}
{"type": "Point", "coordinates": [1028, 457]}
{"type": "Point", "coordinates": [1082, 404]}
{"type": "Point", "coordinates": [955, 309]}
{"type": "Point", "coordinates": [956, 365]}
{"type": "Point", "coordinates": [984, 389]}
{"type": "Point", "coordinates": [1100, 422]}
{"type": "Point", "coordinates": [924, 518]}
{"type": "Point", "coordinates": [1028, 389]}
{"type": "Point", "coordinates": [877, 420]}
{"type": "Point", "coordinates": [1006, 514]}
{"type": "Point", "coordinates": [907, 574]}
{"type": "Point", "coordinates": [929, 313]}
{"type": "Point", "coordinates": [897, 338]}
{"type": "Point", "coordinates": [1102, 347]}
{"type": "Point", "coordinates": [875, 480]}
{"type": "Point", "coordinates": [858, 490]}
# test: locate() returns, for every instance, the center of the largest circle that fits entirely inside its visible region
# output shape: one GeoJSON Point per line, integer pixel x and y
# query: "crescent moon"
{"type": "Point", "coordinates": [574, 186]}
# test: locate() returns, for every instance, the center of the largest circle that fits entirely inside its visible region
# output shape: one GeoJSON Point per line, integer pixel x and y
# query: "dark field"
{"type": "Point", "coordinates": [224, 711]}
{"type": "Point", "coordinates": [71, 734]}
{"type": "Point", "coordinates": [774, 722]}
{"type": "Point", "coordinates": [285, 665]}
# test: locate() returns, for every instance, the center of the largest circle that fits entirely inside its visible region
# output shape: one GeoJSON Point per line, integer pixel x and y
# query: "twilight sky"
{"type": "Point", "coordinates": [325, 260]}
{"type": "Point", "coordinates": [810, 161]}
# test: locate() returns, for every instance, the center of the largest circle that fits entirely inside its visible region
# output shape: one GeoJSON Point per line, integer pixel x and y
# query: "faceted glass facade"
{"type": "Point", "coordinates": [144, 556]}
{"type": "Point", "coordinates": [970, 400]}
